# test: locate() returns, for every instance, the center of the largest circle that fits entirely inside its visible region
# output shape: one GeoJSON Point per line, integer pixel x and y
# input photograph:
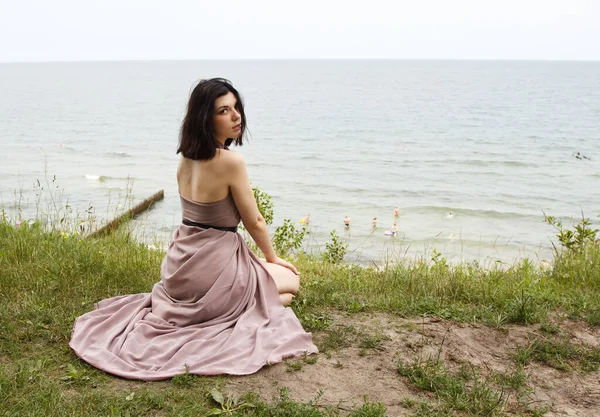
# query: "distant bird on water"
{"type": "Point", "coordinates": [579, 155]}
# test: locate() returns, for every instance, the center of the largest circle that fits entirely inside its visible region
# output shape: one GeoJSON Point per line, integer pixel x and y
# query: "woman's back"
{"type": "Point", "coordinates": [204, 181]}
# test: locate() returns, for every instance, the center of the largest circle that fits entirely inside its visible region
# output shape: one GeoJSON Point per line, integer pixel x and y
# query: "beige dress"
{"type": "Point", "coordinates": [216, 310]}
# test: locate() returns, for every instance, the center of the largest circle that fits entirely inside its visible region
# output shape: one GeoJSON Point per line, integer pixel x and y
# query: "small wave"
{"type": "Point", "coordinates": [526, 199]}
{"type": "Point", "coordinates": [488, 163]}
{"type": "Point", "coordinates": [118, 155]}
{"type": "Point", "coordinates": [308, 156]}
{"type": "Point", "coordinates": [475, 162]}
{"type": "Point", "coordinates": [489, 154]}
{"type": "Point", "coordinates": [67, 148]}
{"type": "Point", "coordinates": [269, 164]}
{"type": "Point", "coordinates": [386, 195]}
{"type": "Point", "coordinates": [519, 164]}
{"type": "Point", "coordinates": [331, 189]}
{"type": "Point", "coordinates": [461, 212]}
{"type": "Point", "coordinates": [103, 178]}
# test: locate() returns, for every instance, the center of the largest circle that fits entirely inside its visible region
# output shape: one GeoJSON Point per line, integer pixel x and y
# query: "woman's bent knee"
{"type": "Point", "coordinates": [286, 298]}
{"type": "Point", "coordinates": [286, 280]}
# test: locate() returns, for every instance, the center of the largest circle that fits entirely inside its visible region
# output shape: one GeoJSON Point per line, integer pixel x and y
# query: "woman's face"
{"type": "Point", "coordinates": [227, 121]}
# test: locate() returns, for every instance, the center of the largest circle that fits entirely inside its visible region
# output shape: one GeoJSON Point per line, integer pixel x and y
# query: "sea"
{"type": "Point", "coordinates": [473, 153]}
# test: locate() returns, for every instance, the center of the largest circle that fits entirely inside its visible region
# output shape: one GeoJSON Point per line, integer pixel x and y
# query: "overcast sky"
{"type": "Point", "coordinates": [81, 30]}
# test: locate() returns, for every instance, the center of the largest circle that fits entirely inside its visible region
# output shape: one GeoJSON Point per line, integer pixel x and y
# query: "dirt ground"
{"type": "Point", "coordinates": [348, 375]}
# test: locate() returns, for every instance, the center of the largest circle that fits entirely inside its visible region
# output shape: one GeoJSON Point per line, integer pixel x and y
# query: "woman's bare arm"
{"type": "Point", "coordinates": [243, 196]}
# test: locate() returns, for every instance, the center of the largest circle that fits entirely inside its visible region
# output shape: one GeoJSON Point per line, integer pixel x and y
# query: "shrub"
{"type": "Point", "coordinates": [336, 250]}
{"type": "Point", "coordinates": [287, 238]}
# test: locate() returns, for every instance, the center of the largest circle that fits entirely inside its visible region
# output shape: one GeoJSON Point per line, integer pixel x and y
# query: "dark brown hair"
{"type": "Point", "coordinates": [197, 137]}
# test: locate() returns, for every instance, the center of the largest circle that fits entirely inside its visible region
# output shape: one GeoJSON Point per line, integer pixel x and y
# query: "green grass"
{"type": "Point", "coordinates": [47, 279]}
{"type": "Point", "coordinates": [559, 353]}
{"type": "Point", "coordinates": [293, 365]}
{"type": "Point", "coordinates": [521, 294]}
{"type": "Point", "coordinates": [515, 378]}
{"type": "Point", "coordinates": [466, 391]}
{"type": "Point", "coordinates": [338, 337]}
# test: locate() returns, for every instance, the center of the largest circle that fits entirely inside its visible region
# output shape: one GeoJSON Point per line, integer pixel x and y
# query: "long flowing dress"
{"type": "Point", "coordinates": [216, 310]}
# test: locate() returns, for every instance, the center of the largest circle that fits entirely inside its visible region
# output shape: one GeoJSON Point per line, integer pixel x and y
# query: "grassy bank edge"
{"type": "Point", "coordinates": [48, 279]}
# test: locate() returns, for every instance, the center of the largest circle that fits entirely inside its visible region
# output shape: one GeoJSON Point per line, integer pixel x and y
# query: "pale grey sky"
{"type": "Point", "coordinates": [80, 30]}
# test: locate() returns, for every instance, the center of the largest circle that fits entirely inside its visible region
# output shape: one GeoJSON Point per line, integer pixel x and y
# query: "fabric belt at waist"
{"type": "Point", "coordinates": [207, 226]}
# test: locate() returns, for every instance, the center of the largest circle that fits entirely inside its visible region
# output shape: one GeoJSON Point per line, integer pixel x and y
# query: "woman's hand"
{"type": "Point", "coordinates": [285, 264]}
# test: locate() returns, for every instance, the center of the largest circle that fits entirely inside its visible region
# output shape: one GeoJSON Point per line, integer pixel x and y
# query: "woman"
{"type": "Point", "coordinates": [217, 309]}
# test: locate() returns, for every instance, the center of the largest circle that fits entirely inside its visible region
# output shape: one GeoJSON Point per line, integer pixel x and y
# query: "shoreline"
{"type": "Point", "coordinates": [369, 250]}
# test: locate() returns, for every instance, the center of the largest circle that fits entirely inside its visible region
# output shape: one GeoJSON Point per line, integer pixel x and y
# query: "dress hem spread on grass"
{"type": "Point", "coordinates": [216, 310]}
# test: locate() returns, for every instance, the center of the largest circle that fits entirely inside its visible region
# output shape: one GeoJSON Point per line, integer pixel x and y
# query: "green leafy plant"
{"type": "Point", "coordinates": [227, 405]}
{"type": "Point", "coordinates": [287, 238]}
{"type": "Point", "coordinates": [439, 261]}
{"type": "Point", "coordinates": [186, 379]}
{"type": "Point", "coordinates": [575, 239]}
{"type": "Point", "coordinates": [335, 250]}
{"type": "Point", "coordinates": [74, 374]}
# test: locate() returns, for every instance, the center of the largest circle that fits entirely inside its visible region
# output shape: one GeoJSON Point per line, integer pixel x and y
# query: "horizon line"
{"type": "Point", "coordinates": [74, 61]}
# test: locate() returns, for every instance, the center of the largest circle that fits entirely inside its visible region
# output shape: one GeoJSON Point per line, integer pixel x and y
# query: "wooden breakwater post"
{"type": "Point", "coordinates": [128, 215]}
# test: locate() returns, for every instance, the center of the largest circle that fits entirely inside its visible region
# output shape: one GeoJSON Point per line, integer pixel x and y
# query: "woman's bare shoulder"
{"type": "Point", "coordinates": [183, 164]}
{"type": "Point", "coordinates": [231, 158]}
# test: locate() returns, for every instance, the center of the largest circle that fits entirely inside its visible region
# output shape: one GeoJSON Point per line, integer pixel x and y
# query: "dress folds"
{"type": "Point", "coordinates": [216, 310]}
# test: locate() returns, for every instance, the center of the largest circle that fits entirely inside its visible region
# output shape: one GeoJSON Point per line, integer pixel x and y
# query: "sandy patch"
{"type": "Point", "coordinates": [348, 375]}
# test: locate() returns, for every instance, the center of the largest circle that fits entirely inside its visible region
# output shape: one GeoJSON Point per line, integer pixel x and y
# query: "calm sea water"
{"type": "Point", "coordinates": [493, 142]}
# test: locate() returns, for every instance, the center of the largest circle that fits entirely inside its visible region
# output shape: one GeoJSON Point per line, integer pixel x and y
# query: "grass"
{"type": "Point", "coordinates": [337, 338]}
{"type": "Point", "coordinates": [48, 278]}
{"type": "Point", "coordinates": [559, 353]}
{"type": "Point", "coordinates": [293, 365]}
{"type": "Point", "coordinates": [521, 294]}
{"type": "Point", "coordinates": [464, 392]}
